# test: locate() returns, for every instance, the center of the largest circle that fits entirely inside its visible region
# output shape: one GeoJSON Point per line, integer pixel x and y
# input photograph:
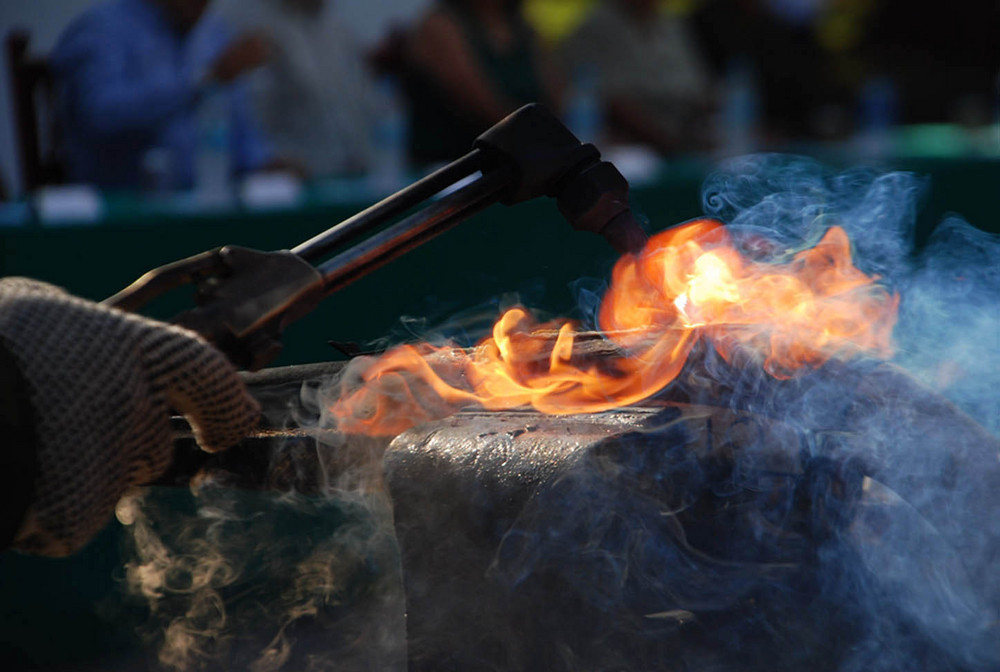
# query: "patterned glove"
{"type": "Point", "coordinates": [101, 383]}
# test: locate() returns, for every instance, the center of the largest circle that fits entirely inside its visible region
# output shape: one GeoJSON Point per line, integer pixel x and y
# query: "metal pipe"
{"type": "Point", "coordinates": [319, 246]}
{"type": "Point", "coordinates": [413, 231]}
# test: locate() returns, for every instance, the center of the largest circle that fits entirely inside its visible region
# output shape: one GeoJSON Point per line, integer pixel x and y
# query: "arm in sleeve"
{"type": "Point", "coordinates": [91, 62]}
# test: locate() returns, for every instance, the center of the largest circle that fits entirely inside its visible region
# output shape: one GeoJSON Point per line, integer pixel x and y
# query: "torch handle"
{"type": "Point", "coordinates": [246, 298]}
{"type": "Point", "coordinates": [385, 210]}
{"type": "Point", "coordinates": [413, 231]}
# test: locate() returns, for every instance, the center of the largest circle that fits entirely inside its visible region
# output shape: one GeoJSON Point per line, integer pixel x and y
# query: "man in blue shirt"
{"type": "Point", "coordinates": [132, 74]}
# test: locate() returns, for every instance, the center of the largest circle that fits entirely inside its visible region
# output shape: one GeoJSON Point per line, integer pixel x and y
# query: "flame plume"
{"type": "Point", "coordinates": [688, 283]}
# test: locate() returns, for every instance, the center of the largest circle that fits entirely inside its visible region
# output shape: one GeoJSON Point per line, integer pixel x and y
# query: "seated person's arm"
{"type": "Point", "coordinates": [92, 63]}
{"type": "Point", "coordinates": [440, 50]}
{"type": "Point", "coordinates": [630, 118]}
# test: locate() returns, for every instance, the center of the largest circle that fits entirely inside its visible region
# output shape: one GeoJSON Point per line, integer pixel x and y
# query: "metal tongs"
{"type": "Point", "coordinates": [246, 298]}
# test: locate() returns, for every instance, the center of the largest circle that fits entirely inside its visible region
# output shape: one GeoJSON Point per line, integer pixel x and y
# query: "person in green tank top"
{"type": "Point", "coordinates": [469, 63]}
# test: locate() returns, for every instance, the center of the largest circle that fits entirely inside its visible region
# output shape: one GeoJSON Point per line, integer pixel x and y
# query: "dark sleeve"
{"type": "Point", "coordinates": [18, 454]}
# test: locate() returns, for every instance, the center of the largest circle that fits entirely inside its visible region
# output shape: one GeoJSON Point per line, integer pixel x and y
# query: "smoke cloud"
{"type": "Point", "coordinates": [918, 561]}
{"type": "Point", "coordinates": [844, 520]}
{"type": "Point", "coordinates": [300, 571]}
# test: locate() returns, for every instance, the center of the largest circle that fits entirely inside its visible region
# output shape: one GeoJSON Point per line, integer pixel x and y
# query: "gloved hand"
{"type": "Point", "coordinates": [101, 383]}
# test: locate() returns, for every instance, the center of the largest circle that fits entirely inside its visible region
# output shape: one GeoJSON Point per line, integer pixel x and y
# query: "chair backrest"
{"type": "Point", "coordinates": [33, 100]}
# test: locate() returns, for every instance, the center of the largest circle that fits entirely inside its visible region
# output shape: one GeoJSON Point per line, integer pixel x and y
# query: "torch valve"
{"type": "Point", "coordinates": [546, 159]}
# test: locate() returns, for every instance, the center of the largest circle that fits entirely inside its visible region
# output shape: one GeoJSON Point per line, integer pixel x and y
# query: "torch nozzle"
{"type": "Point", "coordinates": [595, 198]}
{"type": "Point", "coordinates": [545, 158]}
{"type": "Point", "coordinates": [625, 234]}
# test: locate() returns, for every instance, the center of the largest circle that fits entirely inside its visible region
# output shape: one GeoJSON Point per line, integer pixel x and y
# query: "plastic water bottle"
{"type": "Point", "coordinates": [584, 115]}
{"type": "Point", "coordinates": [740, 110]}
{"type": "Point", "coordinates": [213, 161]}
{"type": "Point", "coordinates": [878, 111]}
{"type": "Point", "coordinates": [389, 137]}
{"type": "Point", "coordinates": [157, 174]}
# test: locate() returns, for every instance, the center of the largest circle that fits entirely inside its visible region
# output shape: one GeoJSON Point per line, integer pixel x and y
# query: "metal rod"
{"type": "Point", "coordinates": [164, 279]}
{"type": "Point", "coordinates": [319, 246]}
{"type": "Point", "coordinates": [413, 231]}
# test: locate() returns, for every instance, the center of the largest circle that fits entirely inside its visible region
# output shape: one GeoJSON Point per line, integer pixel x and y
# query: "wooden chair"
{"type": "Point", "coordinates": [33, 100]}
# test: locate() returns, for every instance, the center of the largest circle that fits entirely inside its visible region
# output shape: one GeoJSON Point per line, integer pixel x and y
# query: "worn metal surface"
{"type": "Point", "coordinates": [534, 542]}
{"type": "Point", "coordinates": [861, 526]}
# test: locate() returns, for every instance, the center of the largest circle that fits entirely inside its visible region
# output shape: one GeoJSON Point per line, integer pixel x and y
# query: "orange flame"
{"type": "Point", "coordinates": [688, 283]}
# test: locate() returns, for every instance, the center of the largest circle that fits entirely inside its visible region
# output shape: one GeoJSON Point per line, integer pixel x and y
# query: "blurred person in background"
{"type": "Point", "coordinates": [823, 65]}
{"type": "Point", "coordinates": [132, 75]}
{"type": "Point", "coordinates": [943, 61]}
{"type": "Point", "coordinates": [777, 45]}
{"type": "Point", "coordinates": [469, 63]}
{"type": "Point", "coordinates": [314, 95]}
{"type": "Point", "coordinates": [651, 80]}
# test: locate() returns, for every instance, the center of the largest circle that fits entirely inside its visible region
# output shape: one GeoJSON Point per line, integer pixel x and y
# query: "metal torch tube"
{"type": "Point", "coordinates": [321, 245]}
{"type": "Point", "coordinates": [413, 231]}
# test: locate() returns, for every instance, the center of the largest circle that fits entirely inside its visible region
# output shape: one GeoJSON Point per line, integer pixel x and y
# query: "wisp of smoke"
{"type": "Point", "coordinates": [301, 576]}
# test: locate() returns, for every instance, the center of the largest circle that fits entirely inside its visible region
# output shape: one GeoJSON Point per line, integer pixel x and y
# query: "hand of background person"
{"type": "Point", "coordinates": [246, 52]}
{"type": "Point", "coordinates": [287, 164]}
{"type": "Point", "coordinates": [100, 384]}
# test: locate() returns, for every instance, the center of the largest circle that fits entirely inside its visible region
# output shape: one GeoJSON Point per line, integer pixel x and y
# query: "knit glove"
{"type": "Point", "coordinates": [102, 383]}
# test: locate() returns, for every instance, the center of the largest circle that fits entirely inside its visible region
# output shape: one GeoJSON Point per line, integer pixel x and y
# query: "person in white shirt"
{"type": "Point", "coordinates": [315, 96]}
